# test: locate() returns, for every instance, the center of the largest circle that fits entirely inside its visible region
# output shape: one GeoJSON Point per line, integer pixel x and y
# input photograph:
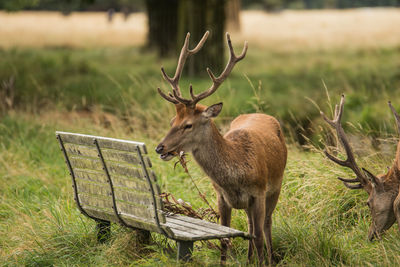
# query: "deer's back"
{"type": "Point", "coordinates": [260, 139]}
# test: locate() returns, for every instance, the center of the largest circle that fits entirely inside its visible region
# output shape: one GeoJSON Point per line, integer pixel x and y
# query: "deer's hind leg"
{"type": "Point", "coordinates": [257, 211]}
{"type": "Point", "coordinates": [270, 204]}
{"type": "Point", "coordinates": [251, 232]}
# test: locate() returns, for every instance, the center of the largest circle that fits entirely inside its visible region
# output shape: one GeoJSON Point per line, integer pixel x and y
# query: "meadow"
{"type": "Point", "coordinates": [108, 87]}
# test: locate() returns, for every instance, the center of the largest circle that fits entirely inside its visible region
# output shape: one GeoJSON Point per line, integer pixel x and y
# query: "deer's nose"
{"type": "Point", "coordinates": [159, 148]}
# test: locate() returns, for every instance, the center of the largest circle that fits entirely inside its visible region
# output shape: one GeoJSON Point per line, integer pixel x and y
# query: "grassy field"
{"type": "Point", "coordinates": [111, 91]}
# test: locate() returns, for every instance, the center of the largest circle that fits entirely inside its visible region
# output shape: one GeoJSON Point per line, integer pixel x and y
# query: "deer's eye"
{"type": "Point", "coordinates": [188, 126]}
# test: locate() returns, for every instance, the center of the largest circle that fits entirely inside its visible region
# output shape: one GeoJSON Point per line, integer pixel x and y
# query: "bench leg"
{"type": "Point", "coordinates": [185, 249]}
{"type": "Point", "coordinates": [103, 231]}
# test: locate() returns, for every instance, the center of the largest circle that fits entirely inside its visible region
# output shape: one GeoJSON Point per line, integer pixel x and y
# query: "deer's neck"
{"type": "Point", "coordinates": [215, 155]}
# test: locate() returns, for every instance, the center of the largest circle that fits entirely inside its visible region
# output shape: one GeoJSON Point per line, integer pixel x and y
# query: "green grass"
{"type": "Point", "coordinates": [117, 79]}
{"type": "Point", "coordinates": [112, 92]}
{"type": "Point", "coordinates": [318, 222]}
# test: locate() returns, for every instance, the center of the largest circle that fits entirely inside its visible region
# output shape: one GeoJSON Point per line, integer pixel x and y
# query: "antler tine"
{"type": "Point", "coordinates": [217, 81]}
{"type": "Point", "coordinates": [187, 102]}
{"type": "Point", "coordinates": [350, 162]}
{"type": "Point", "coordinates": [396, 115]}
{"type": "Point", "coordinates": [185, 53]}
{"type": "Point", "coordinates": [167, 97]}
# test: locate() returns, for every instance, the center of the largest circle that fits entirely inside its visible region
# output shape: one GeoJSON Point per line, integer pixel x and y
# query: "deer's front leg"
{"type": "Point", "coordinates": [225, 212]}
{"type": "Point", "coordinates": [257, 210]}
{"type": "Point", "coordinates": [396, 207]}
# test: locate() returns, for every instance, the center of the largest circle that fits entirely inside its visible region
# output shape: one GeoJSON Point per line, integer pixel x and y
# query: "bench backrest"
{"type": "Point", "coordinates": [113, 181]}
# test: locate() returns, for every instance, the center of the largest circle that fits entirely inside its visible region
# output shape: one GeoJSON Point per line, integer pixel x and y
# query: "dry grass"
{"type": "Point", "coordinates": [323, 28]}
{"type": "Point", "coordinates": [88, 29]}
{"type": "Point", "coordinates": [285, 30]}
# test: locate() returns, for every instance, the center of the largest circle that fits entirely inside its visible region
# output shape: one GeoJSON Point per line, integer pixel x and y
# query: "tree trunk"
{"type": "Point", "coordinates": [162, 21]}
{"type": "Point", "coordinates": [232, 11]}
{"type": "Point", "coordinates": [197, 17]}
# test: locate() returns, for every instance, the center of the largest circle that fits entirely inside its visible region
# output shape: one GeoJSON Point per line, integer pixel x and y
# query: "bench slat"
{"type": "Point", "coordinates": [130, 220]}
{"type": "Point", "coordinates": [196, 227]}
{"type": "Point", "coordinates": [113, 168]}
{"type": "Point", "coordinates": [104, 142]}
{"type": "Point", "coordinates": [108, 154]}
{"type": "Point", "coordinates": [178, 223]}
{"type": "Point", "coordinates": [189, 230]}
{"type": "Point", "coordinates": [133, 197]}
{"type": "Point", "coordinates": [107, 204]}
{"type": "Point", "coordinates": [142, 211]}
{"type": "Point", "coordinates": [118, 181]}
{"type": "Point", "coordinates": [210, 225]}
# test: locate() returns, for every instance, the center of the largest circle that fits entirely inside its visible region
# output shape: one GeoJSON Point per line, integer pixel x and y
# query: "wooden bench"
{"type": "Point", "coordinates": [113, 182]}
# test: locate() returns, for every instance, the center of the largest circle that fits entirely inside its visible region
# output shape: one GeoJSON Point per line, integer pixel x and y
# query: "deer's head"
{"type": "Point", "coordinates": [382, 189]}
{"type": "Point", "coordinates": [192, 121]}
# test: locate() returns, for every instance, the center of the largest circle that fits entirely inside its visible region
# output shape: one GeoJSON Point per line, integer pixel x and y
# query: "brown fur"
{"type": "Point", "coordinates": [384, 200]}
{"type": "Point", "coordinates": [245, 165]}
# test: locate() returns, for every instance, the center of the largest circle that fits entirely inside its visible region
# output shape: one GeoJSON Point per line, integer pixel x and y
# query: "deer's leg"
{"type": "Point", "coordinates": [258, 213]}
{"type": "Point", "coordinates": [225, 212]}
{"type": "Point", "coordinates": [251, 232]}
{"type": "Point", "coordinates": [396, 207]}
{"type": "Point", "coordinates": [270, 204]}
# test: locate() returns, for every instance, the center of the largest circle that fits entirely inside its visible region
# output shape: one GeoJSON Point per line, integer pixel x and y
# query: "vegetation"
{"type": "Point", "coordinates": [317, 222]}
{"type": "Point", "coordinates": [112, 92]}
{"type": "Point", "coordinates": [288, 85]}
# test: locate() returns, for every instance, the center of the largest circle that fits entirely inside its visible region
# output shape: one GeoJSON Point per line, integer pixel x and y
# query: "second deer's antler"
{"type": "Point", "coordinates": [396, 116]}
{"type": "Point", "coordinates": [350, 162]}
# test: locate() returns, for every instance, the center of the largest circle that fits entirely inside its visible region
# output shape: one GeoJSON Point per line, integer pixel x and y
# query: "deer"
{"type": "Point", "coordinates": [383, 190]}
{"type": "Point", "coordinates": [245, 165]}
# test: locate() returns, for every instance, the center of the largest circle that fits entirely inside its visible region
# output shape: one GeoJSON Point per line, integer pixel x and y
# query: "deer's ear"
{"type": "Point", "coordinates": [372, 178]}
{"type": "Point", "coordinates": [212, 111]}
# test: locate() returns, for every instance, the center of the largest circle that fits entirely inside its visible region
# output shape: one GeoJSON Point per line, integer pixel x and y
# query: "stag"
{"type": "Point", "coordinates": [245, 165]}
{"type": "Point", "coordinates": [383, 190]}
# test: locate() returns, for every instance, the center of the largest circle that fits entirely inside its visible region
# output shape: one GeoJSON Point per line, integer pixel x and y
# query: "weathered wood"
{"type": "Point", "coordinates": [108, 154]}
{"type": "Point", "coordinates": [113, 168]}
{"type": "Point", "coordinates": [193, 228]}
{"type": "Point", "coordinates": [137, 210]}
{"type": "Point", "coordinates": [118, 181]}
{"type": "Point", "coordinates": [129, 219]}
{"type": "Point", "coordinates": [186, 228]}
{"type": "Point", "coordinates": [210, 225]}
{"type": "Point", "coordinates": [131, 196]}
{"type": "Point", "coordinates": [185, 249]}
{"type": "Point", "coordinates": [103, 231]}
{"type": "Point", "coordinates": [104, 142]}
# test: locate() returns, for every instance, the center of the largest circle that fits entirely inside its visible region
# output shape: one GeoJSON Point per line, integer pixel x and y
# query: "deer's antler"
{"type": "Point", "coordinates": [176, 97]}
{"type": "Point", "coordinates": [174, 81]}
{"type": "Point", "coordinates": [350, 162]}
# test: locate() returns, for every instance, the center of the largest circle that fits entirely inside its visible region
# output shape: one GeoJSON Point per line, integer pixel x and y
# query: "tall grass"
{"type": "Point", "coordinates": [318, 222]}
{"type": "Point", "coordinates": [112, 92]}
